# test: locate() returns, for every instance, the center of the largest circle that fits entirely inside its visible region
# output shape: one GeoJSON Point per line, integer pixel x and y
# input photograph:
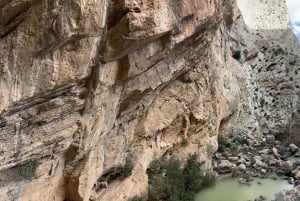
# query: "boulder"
{"type": "Point", "coordinates": [263, 171]}
{"type": "Point", "coordinates": [293, 148]}
{"type": "Point", "coordinates": [296, 174]}
{"type": "Point", "coordinates": [242, 160]}
{"type": "Point", "coordinates": [224, 167]}
{"type": "Point", "coordinates": [233, 158]}
{"type": "Point", "coordinates": [288, 195]}
{"type": "Point", "coordinates": [264, 151]}
{"type": "Point", "coordinates": [218, 156]}
{"type": "Point", "coordinates": [242, 167]}
{"type": "Point", "coordinates": [259, 162]}
{"type": "Point", "coordinates": [270, 139]}
{"type": "Point", "coordinates": [244, 181]}
{"type": "Point", "coordinates": [285, 166]}
{"type": "Point", "coordinates": [260, 198]}
{"type": "Point", "coordinates": [291, 180]}
{"type": "Point", "coordinates": [272, 162]}
{"type": "Point", "coordinates": [257, 157]}
{"type": "Point", "coordinates": [297, 154]}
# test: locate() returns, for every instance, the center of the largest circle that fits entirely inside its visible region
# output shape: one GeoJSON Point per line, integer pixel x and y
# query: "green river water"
{"type": "Point", "coordinates": [230, 190]}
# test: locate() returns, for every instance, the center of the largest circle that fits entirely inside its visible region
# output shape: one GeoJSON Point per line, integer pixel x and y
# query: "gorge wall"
{"type": "Point", "coordinates": [86, 85]}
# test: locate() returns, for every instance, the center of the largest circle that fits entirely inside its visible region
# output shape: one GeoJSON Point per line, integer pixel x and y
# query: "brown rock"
{"type": "Point", "coordinates": [86, 85]}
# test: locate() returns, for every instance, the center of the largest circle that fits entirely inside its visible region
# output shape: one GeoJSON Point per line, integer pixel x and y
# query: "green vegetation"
{"type": "Point", "coordinates": [27, 170]}
{"type": "Point", "coordinates": [170, 182]}
{"type": "Point", "coordinates": [120, 172]}
{"type": "Point", "coordinates": [292, 63]}
{"type": "Point", "coordinates": [262, 102]}
{"type": "Point", "coordinates": [287, 70]}
{"type": "Point", "coordinates": [126, 170]}
{"type": "Point", "coordinates": [264, 49]}
{"type": "Point", "coordinates": [184, 142]}
{"type": "Point", "coordinates": [277, 51]}
{"type": "Point", "coordinates": [222, 144]}
{"type": "Point", "coordinates": [237, 54]}
{"type": "Point", "coordinates": [240, 140]}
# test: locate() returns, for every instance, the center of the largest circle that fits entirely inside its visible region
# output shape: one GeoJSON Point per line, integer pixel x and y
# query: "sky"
{"type": "Point", "coordinates": [294, 12]}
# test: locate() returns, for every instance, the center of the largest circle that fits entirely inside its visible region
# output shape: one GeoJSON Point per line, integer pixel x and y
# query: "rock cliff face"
{"type": "Point", "coordinates": [271, 76]}
{"type": "Point", "coordinates": [86, 85]}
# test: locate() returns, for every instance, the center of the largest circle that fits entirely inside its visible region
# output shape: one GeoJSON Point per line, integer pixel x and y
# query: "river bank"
{"type": "Point", "coordinates": [249, 160]}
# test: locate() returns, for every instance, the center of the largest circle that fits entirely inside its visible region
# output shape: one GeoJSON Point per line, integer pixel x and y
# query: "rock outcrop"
{"type": "Point", "coordinates": [271, 81]}
{"type": "Point", "coordinates": [286, 195]}
{"type": "Point", "coordinates": [87, 85]}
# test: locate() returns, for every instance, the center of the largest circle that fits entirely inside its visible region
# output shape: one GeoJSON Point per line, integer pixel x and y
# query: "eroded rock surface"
{"type": "Point", "coordinates": [85, 85]}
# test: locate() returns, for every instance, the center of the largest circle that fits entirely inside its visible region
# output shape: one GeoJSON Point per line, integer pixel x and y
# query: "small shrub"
{"type": "Point", "coordinates": [120, 172]}
{"type": "Point", "coordinates": [194, 177]}
{"type": "Point", "coordinates": [292, 63]}
{"type": "Point", "coordinates": [241, 140]}
{"type": "Point", "coordinates": [287, 70]}
{"type": "Point", "coordinates": [155, 168]}
{"type": "Point", "coordinates": [193, 174]}
{"type": "Point", "coordinates": [237, 54]}
{"type": "Point", "coordinates": [170, 182]}
{"type": "Point", "coordinates": [126, 170]}
{"type": "Point", "coordinates": [184, 142]}
{"type": "Point", "coordinates": [27, 170]}
{"type": "Point", "coordinates": [209, 180]}
{"type": "Point", "coordinates": [262, 102]}
{"type": "Point", "coordinates": [264, 48]}
{"type": "Point", "coordinates": [222, 144]}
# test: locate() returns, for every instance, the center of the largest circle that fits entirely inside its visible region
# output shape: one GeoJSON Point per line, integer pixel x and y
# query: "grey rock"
{"type": "Point", "coordinates": [270, 138]}
{"type": "Point", "coordinates": [293, 148]}
{"type": "Point", "coordinates": [242, 167]}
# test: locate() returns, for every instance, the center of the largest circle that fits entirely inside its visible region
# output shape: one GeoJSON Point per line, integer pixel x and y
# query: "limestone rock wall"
{"type": "Point", "coordinates": [86, 85]}
{"type": "Point", "coordinates": [270, 59]}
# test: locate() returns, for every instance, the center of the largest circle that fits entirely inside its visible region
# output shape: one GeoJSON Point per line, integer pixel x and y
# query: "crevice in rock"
{"type": "Point", "coordinates": [133, 98]}
{"type": "Point", "coordinates": [117, 11]}
{"type": "Point", "coordinates": [60, 43]}
{"type": "Point", "coordinates": [7, 29]}
{"type": "Point", "coordinates": [124, 66]}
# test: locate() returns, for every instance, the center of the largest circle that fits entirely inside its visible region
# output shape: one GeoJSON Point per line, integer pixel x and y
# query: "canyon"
{"type": "Point", "coordinates": [87, 85]}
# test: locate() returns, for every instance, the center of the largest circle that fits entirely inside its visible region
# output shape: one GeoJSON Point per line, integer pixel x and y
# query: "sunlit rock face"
{"type": "Point", "coordinates": [272, 80]}
{"type": "Point", "coordinates": [85, 85]}
{"type": "Point", "coordinates": [265, 15]}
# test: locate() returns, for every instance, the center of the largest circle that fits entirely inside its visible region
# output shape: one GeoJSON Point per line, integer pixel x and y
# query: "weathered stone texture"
{"type": "Point", "coordinates": [85, 84]}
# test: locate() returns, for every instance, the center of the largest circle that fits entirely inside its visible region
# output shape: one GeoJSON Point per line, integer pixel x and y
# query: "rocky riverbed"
{"type": "Point", "coordinates": [289, 195]}
{"type": "Point", "coordinates": [246, 158]}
